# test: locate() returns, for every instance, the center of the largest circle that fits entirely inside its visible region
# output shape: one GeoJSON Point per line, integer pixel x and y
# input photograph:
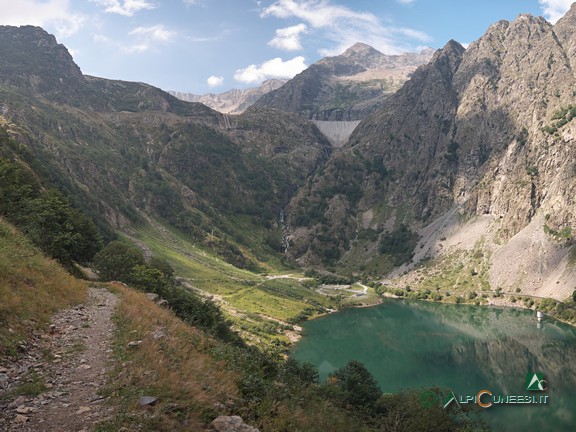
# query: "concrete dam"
{"type": "Point", "coordinates": [337, 132]}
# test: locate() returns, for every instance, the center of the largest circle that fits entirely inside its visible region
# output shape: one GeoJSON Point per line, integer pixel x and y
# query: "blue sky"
{"type": "Point", "coordinates": [203, 46]}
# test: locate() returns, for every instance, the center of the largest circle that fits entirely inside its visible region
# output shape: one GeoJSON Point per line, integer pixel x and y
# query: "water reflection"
{"type": "Point", "coordinates": [464, 348]}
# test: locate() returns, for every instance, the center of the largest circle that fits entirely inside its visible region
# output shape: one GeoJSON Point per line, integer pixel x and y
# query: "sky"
{"type": "Point", "coordinates": [210, 46]}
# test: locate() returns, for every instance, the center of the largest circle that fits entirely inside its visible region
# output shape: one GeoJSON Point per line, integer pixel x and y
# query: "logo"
{"type": "Point", "coordinates": [535, 381]}
{"type": "Point", "coordinates": [444, 399]}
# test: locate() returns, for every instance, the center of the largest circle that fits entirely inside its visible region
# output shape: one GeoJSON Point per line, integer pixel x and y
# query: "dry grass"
{"type": "Point", "coordinates": [32, 288]}
{"type": "Point", "coordinates": [171, 363]}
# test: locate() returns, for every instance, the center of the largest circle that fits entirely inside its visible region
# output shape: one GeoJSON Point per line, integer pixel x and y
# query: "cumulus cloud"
{"type": "Point", "coordinates": [275, 68]}
{"type": "Point", "coordinates": [344, 26]}
{"type": "Point", "coordinates": [126, 7]}
{"type": "Point", "coordinates": [288, 38]}
{"type": "Point", "coordinates": [554, 9]}
{"type": "Point", "coordinates": [53, 14]}
{"type": "Point", "coordinates": [215, 81]}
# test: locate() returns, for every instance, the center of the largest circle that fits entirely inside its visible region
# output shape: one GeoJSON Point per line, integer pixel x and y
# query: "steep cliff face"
{"type": "Point", "coordinates": [345, 87]}
{"type": "Point", "coordinates": [48, 66]}
{"type": "Point", "coordinates": [488, 130]}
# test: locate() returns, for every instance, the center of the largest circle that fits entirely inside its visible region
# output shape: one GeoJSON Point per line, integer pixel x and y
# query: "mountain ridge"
{"type": "Point", "coordinates": [234, 101]}
{"type": "Point", "coordinates": [345, 87]}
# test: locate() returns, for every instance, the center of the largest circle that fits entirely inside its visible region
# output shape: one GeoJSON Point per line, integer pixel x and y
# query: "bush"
{"type": "Point", "coordinates": [117, 261]}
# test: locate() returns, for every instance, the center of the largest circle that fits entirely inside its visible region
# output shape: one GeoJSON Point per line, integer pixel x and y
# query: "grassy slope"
{"type": "Point", "coordinates": [254, 303]}
{"type": "Point", "coordinates": [173, 367]}
{"type": "Point", "coordinates": [32, 287]}
{"type": "Point", "coordinates": [194, 378]}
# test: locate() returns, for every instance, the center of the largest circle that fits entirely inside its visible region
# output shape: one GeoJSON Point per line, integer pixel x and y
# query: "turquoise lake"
{"type": "Point", "coordinates": [462, 348]}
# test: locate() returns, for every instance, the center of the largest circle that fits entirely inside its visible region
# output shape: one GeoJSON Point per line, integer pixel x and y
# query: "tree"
{"type": "Point", "coordinates": [61, 231]}
{"type": "Point", "coordinates": [162, 265]}
{"type": "Point", "coordinates": [46, 217]}
{"type": "Point", "coordinates": [117, 261]}
{"type": "Point", "coordinates": [357, 386]}
{"type": "Point", "coordinates": [148, 278]}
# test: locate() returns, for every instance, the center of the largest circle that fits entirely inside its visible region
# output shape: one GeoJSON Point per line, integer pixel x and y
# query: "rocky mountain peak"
{"type": "Point", "coordinates": [360, 49]}
{"type": "Point", "coordinates": [452, 51]}
{"type": "Point", "coordinates": [346, 87]}
{"type": "Point", "coordinates": [52, 64]}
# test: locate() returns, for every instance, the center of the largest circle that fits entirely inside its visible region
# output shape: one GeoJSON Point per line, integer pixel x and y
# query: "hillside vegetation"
{"type": "Point", "coordinates": [32, 288]}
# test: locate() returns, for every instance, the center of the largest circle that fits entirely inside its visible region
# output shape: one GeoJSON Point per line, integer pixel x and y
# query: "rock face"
{"type": "Point", "coordinates": [488, 130]}
{"type": "Point", "coordinates": [345, 87]}
{"type": "Point", "coordinates": [233, 101]}
{"type": "Point", "coordinates": [54, 74]}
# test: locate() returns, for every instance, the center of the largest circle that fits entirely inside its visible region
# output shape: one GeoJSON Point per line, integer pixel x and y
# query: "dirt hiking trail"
{"type": "Point", "coordinates": [70, 361]}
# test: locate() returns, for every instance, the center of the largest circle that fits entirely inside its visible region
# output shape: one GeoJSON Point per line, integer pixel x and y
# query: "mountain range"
{"type": "Point", "coordinates": [466, 167]}
{"type": "Point", "coordinates": [233, 101]}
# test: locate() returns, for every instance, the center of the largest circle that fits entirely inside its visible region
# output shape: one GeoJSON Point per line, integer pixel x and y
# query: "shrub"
{"type": "Point", "coordinates": [117, 260]}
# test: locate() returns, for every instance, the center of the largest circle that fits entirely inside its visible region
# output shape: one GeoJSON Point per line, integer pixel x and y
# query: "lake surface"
{"type": "Point", "coordinates": [458, 347]}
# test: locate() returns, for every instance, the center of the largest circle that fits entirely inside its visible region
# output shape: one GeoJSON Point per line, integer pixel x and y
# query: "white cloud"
{"type": "Point", "coordinates": [101, 38]}
{"type": "Point", "coordinates": [143, 39]}
{"type": "Point", "coordinates": [554, 9]}
{"type": "Point", "coordinates": [126, 7]}
{"type": "Point", "coordinates": [288, 38]}
{"type": "Point", "coordinates": [344, 26]}
{"type": "Point", "coordinates": [52, 14]}
{"type": "Point", "coordinates": [215, 81]}
{"type": "Point", "coordinates": [156, 33]}
{"type": "Point", "coordinates": [406, 2]}
{"type": "Point", "coordinates": [275, 68]}
{"type": "Point", "coordinates": [319, 13]}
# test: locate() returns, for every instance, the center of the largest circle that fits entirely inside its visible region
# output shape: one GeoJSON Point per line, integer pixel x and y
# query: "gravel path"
{"type": "Point", "coordinates": [71, 360]}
